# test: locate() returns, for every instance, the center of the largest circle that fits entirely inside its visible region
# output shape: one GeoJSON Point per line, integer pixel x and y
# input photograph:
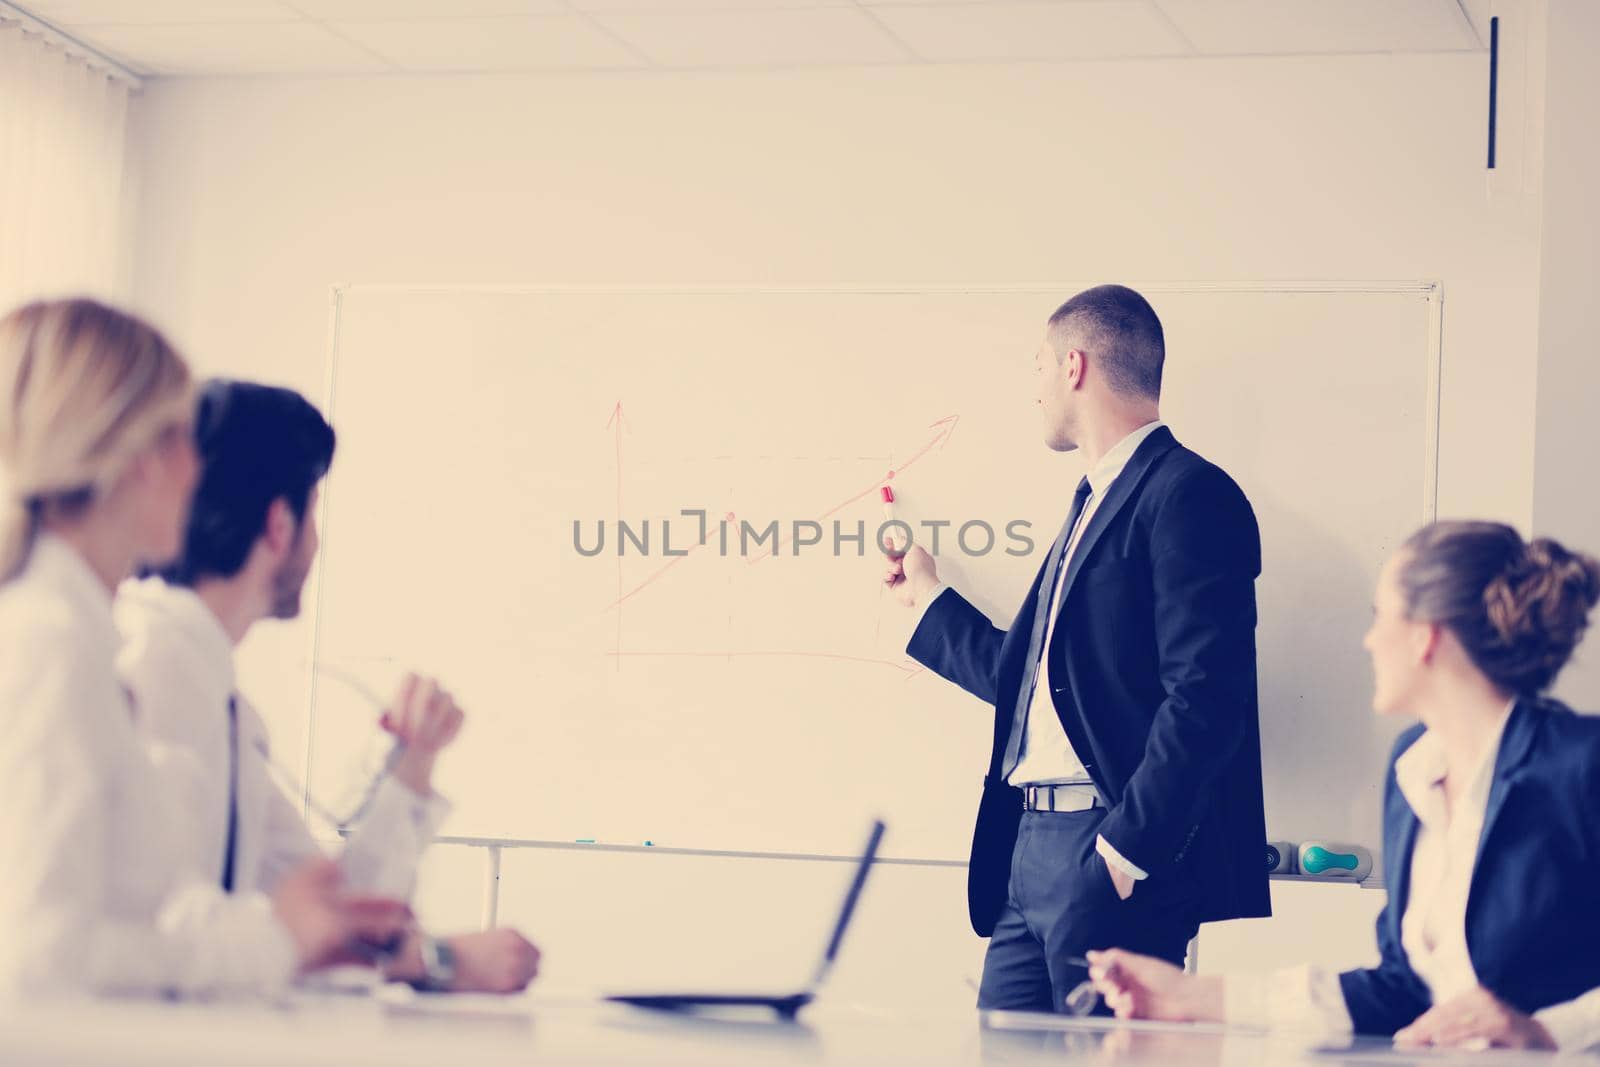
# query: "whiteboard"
{"type": "Point", "coordinates": [762, 700]}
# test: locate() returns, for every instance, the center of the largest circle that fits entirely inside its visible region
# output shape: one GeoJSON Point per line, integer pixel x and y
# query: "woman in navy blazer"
{"type": "Point", "coordinates": [1491, 832]}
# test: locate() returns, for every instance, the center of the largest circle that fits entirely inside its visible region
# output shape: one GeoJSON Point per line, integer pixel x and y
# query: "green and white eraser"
{"type": "Point", "coordinates": [1327, 860]}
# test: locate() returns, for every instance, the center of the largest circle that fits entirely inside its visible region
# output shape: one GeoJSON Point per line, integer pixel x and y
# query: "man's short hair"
{"type": "Point", "coordinates": [1118, 328]}
{"type": "Point", "coordinates": [257, 444]}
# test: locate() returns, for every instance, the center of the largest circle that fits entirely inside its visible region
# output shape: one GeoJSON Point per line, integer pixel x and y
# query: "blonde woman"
{"type": "Point", "coordinates": [96, 469]}
{"type": "Point", "coordinates": [1491, 844]}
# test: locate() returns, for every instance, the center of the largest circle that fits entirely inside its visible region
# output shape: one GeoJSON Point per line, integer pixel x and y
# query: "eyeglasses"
{"type": "Point", "coordinates": [376, 954]}
{"type": "Point", "coordinates": [290, 782]}
{"type": "Point", "coordinates": [1084, 997]}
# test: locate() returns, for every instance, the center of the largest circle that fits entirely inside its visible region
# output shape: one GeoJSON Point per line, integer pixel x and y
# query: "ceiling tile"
{"type": "Point", "coordinates": [1233, 27]}
{"type": "Point", "coordinates": [421, 9]}
{"type": "Point", "coordinates": [130, 12]}
{"type": "Point", "coordinates": [533, 42]}
{"type": "Point", "coordinates": [231, 48]}
{"type": "Point", "coordinates": [1477, 12]}
{"type": "Point", "coordinates": [353, 36]}
{"type": "Point", "coordinates": [1083, 29]}
{"type": "Point", "coordinates": [790, 37]}
{"type": "Point", "coordinates": [663, 7]}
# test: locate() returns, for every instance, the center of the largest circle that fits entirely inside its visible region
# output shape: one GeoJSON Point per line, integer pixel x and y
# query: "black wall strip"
{"type": "Point", "coordinates": [1494, 82]}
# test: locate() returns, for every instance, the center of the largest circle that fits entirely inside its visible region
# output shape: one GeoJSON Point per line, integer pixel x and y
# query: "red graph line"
{"type": "Point", "coordinates": [944, 436]}
{"type": "Point", "coordinates": [660, 572]}
{"type": "Point", "coordinates": [948, 424]}
{"type": "Point", "coordinates": [946, 427]}
{"type": "Point", "coordinates": [909, 671]}
{"type": "Point", "coordinates": [617, 417]}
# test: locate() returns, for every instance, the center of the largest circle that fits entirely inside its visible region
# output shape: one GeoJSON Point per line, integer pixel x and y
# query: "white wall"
{"type": "Point", "coordinates": [1566, 495]}
{"type": "Point", "coordinates": [260, 194]}
{"type": "Point", "coordinates": [66, 210]}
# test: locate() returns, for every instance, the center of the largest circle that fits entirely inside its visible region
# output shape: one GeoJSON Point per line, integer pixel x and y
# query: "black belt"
{"type": "Point", "coordinates": [1077, 796]}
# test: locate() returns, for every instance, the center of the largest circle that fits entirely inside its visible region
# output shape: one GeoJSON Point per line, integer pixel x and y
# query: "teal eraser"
{"type": "Point", "coordinates": [1327, 860]}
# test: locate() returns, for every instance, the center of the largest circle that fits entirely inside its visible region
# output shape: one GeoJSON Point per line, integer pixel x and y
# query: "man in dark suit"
{"type": "Point", "coordinates": [1123, 802]}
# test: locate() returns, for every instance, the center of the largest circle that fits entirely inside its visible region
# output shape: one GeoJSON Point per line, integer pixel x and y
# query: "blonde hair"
{"type": "Point", "coordinates": [84, 389]}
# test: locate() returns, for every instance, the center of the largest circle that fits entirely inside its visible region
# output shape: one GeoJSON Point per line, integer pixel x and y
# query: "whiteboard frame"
{"type": "Point", "coordinates": [1430, 292]}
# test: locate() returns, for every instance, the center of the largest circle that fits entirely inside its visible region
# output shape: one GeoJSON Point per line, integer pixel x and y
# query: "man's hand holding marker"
{"type": "Point", "coordinates": [911, 574]}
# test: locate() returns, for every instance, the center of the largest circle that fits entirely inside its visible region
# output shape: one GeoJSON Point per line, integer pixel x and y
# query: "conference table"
{"type": "Point", "coordinates": [400, 1028]}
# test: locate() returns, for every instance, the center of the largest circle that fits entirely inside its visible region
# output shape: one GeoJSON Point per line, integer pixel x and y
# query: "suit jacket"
{"type": "Point", "coordinates": [1153, 675]}
{"type": "Point", "coordinates": [1533, 928]}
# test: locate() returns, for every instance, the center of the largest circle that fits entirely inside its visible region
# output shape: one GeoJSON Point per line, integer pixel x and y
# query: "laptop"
{"type": "Point", "coordinates": [786, 1005]}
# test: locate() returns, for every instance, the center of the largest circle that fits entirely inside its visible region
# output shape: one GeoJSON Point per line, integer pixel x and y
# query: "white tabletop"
{"type": "Point", "coordinates": [547, 1028]}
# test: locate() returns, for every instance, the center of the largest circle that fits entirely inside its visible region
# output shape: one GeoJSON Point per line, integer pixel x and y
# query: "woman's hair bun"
{"type": "Point", "coordinates": [1518, 608]}
{"type": "Point", "coordinates": [1539, 609]}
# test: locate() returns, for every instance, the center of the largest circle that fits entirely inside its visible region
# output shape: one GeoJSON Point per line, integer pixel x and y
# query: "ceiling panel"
{"type": "Point", "coordinates": [358, 36]}
{"type": "Point", "coordinates": [1478, 12]}
{"type": "Point", "coordinates": [80, 12]}
{"type": "Point", "coordinates": [663, 7]}
{"type": "Point", "coordinates": [1080, 29]}
{"type": "Point", "coordinates": [530, 42]}
{"type": "Point", "coordinates": [1233, 27]}
{"type": "Point", "coordinates": [330, 10]}
{"type": "Point", "coordinates": [233, 48]}
{"type": "Point", "coordinates": [787, 37]}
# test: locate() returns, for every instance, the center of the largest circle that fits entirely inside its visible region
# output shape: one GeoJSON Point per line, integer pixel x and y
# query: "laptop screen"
{"type": "Point", "coordinates": [868, 857]}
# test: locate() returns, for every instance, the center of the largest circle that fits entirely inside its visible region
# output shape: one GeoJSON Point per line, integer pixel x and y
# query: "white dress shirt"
{"type": "Point", "coordinates": [1046, 756]}
{"type": "Point", "coordinates": [1433, 930]}
{"type": "Point", "coordinates": [177, 662]}
{"type": "Point", "coordinates": [95, 895]}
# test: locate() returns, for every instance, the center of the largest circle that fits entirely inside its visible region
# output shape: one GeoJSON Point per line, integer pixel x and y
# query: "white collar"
{"type": "Point", "coordinates": [1421, 769]}
{"type": "Point", "coordinates": [1116, 458]}
{"type": "Point", "coordinates": [150, 609]}
{"type": "Point", "coordinates": [58, 566]}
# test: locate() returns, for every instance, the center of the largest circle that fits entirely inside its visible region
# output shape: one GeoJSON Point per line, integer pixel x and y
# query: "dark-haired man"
{"type": "Point", "coordinates": [247, 550]}
{"type": "Point", "coordinates": [1123, 801]}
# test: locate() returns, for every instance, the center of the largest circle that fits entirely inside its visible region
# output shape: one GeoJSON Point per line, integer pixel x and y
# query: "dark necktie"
{"type": "Point", "coordinates": [233, 795]}
{"type": "Point", "coordinates": [1041, 626]}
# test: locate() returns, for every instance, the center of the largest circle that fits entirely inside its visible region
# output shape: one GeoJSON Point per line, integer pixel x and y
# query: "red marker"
{"type": "Point", "coordinates": [888, 516]}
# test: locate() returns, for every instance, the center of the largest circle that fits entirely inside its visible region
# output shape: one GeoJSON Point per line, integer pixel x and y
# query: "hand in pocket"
{"type": "Point", "coordinates": [1121, 882]}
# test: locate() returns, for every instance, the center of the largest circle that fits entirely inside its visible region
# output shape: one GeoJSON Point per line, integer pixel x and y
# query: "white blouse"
{"type": "Point", "coordinates": [96, 895]}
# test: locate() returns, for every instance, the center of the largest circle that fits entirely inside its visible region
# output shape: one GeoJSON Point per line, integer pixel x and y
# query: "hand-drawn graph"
{"type": "Point", "coordinates": [941, 430]}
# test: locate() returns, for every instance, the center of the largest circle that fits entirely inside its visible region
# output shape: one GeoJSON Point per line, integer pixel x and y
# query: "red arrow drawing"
{"type": "Point", "coordinates": [945, 428]}
{"type": "Point", "coordinates": [619, 420]}
{"type": "Point", "coordinates": [660, 571]}
{"type": "Point", "coordinates": [910, 670]}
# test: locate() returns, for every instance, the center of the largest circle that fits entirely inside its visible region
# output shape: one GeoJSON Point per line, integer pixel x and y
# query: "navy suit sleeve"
{"type": "Point", "coordinates": [1387, 997]}
{"type": "Point", "coordinates": [958, 642]}
{"type": "Point", "coordinates": [1205, 555]}
{"type": "Point", "coordinates": [1390, 996]}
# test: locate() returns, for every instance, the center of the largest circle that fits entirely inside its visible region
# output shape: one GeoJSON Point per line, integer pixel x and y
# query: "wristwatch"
{"type": "Point", "coordinates": [438, 965]}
